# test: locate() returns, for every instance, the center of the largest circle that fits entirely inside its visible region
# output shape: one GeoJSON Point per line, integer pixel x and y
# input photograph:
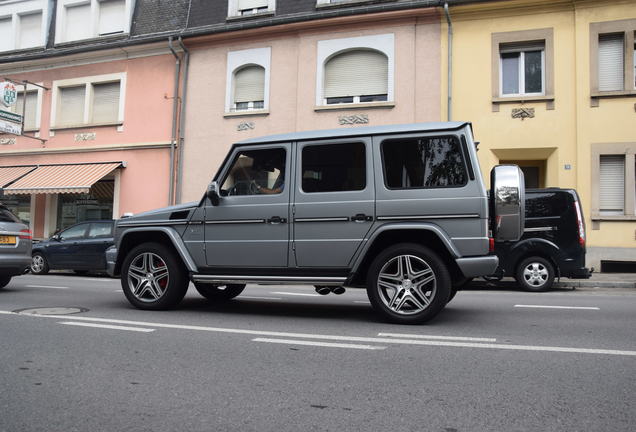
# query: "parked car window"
{"type": "Point", "coordinates": [334, 167]}
{"type": "Point", "coordinates": [256, 172]}
{"type": "Point", "coordinates": [7, 216]}
{"type": "Point", "coordinates": [74, 232]}
{"type": "Point", "coordinates": [102, 229]}
{"type": "Point", "coordinates": [545, 205]}
{"type": "Point", "coordinates": [429, 162]}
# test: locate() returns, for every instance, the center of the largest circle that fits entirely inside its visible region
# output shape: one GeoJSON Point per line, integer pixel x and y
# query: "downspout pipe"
{"type": "Point", "coordinates": [450, 62]}
{"type": "Point", "coordinates": [175, 111]}
{"type": "Point", "coordinates": [184, 95]}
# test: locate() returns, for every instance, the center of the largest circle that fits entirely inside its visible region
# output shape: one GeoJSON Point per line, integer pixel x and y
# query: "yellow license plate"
{"type": "Point", "coordinates": [7, 240]}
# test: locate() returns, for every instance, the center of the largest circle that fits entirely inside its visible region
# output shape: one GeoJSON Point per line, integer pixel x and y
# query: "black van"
{"type": "Point", "coordinates": [553, 242]}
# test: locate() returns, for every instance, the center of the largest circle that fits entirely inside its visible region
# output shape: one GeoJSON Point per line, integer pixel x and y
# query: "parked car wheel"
{"type": "Point", "coordinates": [39, 266]}
{"type": "Point", "coordinates": [535, 274]}
{"type": "Point", "coordinates": [219, 292]}
{"type": "Point", "coordinates": [153, 278]}
{"type": "Point", "coordinates": [408, 284]}
{"type": "Point", "coordinates": [4, 281]}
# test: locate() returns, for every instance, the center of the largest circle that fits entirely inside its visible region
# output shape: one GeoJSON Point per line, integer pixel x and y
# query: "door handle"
{"type": "Point", "coordinates": [361, 217]}
{"type": "Point", "coordinates": [275, 220]}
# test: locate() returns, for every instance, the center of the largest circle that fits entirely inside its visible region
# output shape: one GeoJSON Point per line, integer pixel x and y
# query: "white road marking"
{"type": "Point", "coordinates": [362, 301]}
{"type": "Point", "coordinates": [556, 307]}
{"type": "Point", "coordinates": [119, 291]}
{"type": "Point", "coordinates": [259, 298]}
{"type": "Point", "coordinates": [112, 327]}
{"type": "Point", "coordinates": [320, 344]}
{"type": "Point", "coordinates": [46, 286]}
{"type": "Point", "coordinates": [341, 338]}
{"type": "Point", "coordinates": [457, 338]}
{"type": "Point", "coordinates": [296, 294]}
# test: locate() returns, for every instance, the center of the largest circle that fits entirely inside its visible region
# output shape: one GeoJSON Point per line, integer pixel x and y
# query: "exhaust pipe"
{"type": "Point", "coordinates": [324, 290]}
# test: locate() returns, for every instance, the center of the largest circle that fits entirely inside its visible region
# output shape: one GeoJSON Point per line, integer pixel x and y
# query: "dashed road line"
{"type": "Point", "coordinates": [106, 326]}
{"type": "Point", "coordinates": [556, 307]}
{"type": "Point", "coordinates": [362, 301]}
{"type": "Point", "coordinates": [419, 336]}
{"type": "Point", "coordinates": [259, 298]}
{"type": "Point", "coordinates": [296, 294]}
{"type": "Point", "coordinates": [47, 286]}
{"type": "Point", "coordinates": [320, 344]}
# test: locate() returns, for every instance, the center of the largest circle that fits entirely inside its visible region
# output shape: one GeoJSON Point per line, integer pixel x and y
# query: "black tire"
{"type": "Point", "coordinates": [415, 305]}
{"type": "Point", "coordinates": [157, 273]}
{"type": "Point", "coordinates": [4, 281]}
{"type": "Point", "coordinates": [219, 293]}
{"type": "Point", "coordinates": [535, 274]}
{"type": "Point", "coordinates": [459, 285]}
{"type": "Point", "coordinates": [39, 264]}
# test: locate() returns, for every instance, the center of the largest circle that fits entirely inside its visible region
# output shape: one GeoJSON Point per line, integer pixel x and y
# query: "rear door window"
{"type": "Point", "coordinates": [427, 162]}
{"type": "Point", "coordinates": [100, 230]}
{"type": "Point", "coordinates": [334, 167]}
{"type": "Point", "coordinates": [548, 204]}
{"type": "Point", "coordinates": [74, 232]}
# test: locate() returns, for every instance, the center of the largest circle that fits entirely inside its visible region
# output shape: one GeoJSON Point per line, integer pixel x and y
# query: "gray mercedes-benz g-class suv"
{"type": "Point", "coordinates": [401, 210]}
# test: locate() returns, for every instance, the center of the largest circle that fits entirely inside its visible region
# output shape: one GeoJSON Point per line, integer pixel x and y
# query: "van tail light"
{"type": "Point", "coordinates": [26, 234]}
{"type": "Point", "coordinates": [491, 244]}
{"type": "Point", "coordinates": [580, 224]}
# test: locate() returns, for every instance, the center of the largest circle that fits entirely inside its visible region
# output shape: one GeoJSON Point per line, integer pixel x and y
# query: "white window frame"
{"type": "Point", "coordinates": [384, 43]}
{"type": "Point", "coordinates": [233, 10]}
{"type": "Point", "coordinates": [94, 22]}
{"type": "Point", "coordinates": [38, 108]}
{"type": "Point", "coordinates": [237, 60]}
{"type": "Point", "coordinates": [521, 73]}
{"type": "Point", "coordinates": [88, 101]}
{"type": "Point", "coordinates": [17, 8]}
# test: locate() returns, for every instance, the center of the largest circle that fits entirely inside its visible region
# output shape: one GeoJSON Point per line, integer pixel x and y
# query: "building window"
{"type": "Point", "coordinates": [522, 69]}
{"type": "Point", "coordinates": [355, 70]}
{"type": "Point", "coordinates": [32, 107]}
{"type": "Point", "coordinates": [238, 8]}
{"type": "Point", "coordinates": [247, 87]}
{"type": "Point", "coordinates": [612, 59]}
{"type": "Point", "coordinates": [87, 101]}
{"type": "Point", "coordinates": [355, 77]}
{"type": "Point", "coordinates": [22, 24]}
{"type": "Point", "coordinates": [98, 204]}
{"type": "Point", "coordinates": [612, 184]}
{"type": "Point", "coordinates": [87, 19]}
{"type": "Point", "coordinates": [614, 181]}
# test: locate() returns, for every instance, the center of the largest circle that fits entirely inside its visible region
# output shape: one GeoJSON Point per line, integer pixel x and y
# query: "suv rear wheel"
{"type": "Point", "coordinates": [408, 284]}
{"type": "Point", "coordinates": [219, 292]}
{"type": "Point", "coordinates": [153, 278]}
{"type": "Point", "coordinates": [535, 274]}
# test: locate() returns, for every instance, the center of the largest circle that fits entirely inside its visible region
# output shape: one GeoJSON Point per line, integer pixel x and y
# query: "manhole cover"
{"type": "Point", "coordinates": [51, 310]}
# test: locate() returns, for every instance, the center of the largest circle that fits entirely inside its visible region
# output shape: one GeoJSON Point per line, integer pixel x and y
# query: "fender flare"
{"type": "Point", "coordinates": [536, 246]}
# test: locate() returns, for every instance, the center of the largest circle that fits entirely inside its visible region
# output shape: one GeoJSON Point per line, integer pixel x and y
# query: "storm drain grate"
{"type": "Point", "coordinates": [60, 310]}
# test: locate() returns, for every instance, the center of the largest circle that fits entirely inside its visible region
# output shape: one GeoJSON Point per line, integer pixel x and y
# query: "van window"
{"type": "Point", "coordinates": [334, 167]}
{"type": "Point", "coordinates": [548, 204]}
{"type": "Point", "coordinates": [428, 162]}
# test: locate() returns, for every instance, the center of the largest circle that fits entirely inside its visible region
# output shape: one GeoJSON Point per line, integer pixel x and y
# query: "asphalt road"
{"type": "Point", "coordinates": [281, 358]}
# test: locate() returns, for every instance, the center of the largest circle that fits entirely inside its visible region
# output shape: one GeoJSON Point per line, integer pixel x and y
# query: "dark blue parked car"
{"type": "Point", "coordinates": [79, 247]}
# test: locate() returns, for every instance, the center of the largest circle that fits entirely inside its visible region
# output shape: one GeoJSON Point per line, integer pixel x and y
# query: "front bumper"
{"type": "Point", "coordinates": [478, 266]}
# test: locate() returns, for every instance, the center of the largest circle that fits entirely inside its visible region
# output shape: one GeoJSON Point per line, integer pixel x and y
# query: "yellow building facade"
{"type": "Point", "coordinates": [550, 85]}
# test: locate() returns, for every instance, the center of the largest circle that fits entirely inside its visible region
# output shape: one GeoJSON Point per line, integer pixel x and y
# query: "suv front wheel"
{"type": "Point", "coordinates": [153, 278]}
{"type": "Point", "coordinates": [408, 284]}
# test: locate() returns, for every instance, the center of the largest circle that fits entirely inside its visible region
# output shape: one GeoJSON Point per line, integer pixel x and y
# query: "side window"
{"type": "Point", "coordinates": [98, 230]}
{"type": "Point", "coordinates": [256, 172]}
{"type": "Point", "coordinates": [74, 233]}
{"type": "Point", "coordinates": [546, 205]}
{"type": "Point", "coordinates": [334, 168]}
{"type": "Point", "coordinates": [429, 162]}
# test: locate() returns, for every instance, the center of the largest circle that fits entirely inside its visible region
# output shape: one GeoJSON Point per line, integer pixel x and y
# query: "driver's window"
{"type": "Point", "coordinates": [74, 232]}
{"type": "Point", "coordinates": [256, 172]}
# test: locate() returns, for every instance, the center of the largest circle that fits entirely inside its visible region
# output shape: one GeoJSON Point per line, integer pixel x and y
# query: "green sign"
{"type": "Point", "coordinates": [9, 116]}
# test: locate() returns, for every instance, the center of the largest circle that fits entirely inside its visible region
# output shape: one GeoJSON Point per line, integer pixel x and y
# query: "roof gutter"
{"type": "Point", "coordinates": [449, 104]}
{"type": "Point", "coordinates": [184, 94]}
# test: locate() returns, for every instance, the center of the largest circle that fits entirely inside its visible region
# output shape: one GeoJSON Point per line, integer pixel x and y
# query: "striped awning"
{"type": "Point", "coordinates": [54, 179]}
{"type": "Point", "coordinates": [10, 174]}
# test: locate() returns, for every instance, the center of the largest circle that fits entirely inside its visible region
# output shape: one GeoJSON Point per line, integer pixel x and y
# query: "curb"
{"type": "Point", "coordinates": [563, 284]}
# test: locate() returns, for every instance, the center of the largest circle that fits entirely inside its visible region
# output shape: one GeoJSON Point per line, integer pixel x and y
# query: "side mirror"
{"type": "Point", "coordinates": [56, 237]}
{"type": "Point", "coordinates": [213, 193]}
{"type": "Point", "coordinates": [507, 202]}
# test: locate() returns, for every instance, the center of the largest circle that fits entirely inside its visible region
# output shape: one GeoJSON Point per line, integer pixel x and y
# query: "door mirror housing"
{"type": "Point", "coordinates": [213, 193]}
{"type": "Point", "coordinates": [507, 202]}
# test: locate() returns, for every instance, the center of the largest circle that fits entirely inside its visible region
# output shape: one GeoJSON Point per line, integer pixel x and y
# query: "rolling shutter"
{"type": "Point", "coordinates": [249, 84]}
{"type": "Point", "coordinates": [6, 34]}
{"type": "Point", "coordinates": [111, 16]}
{"type": "Point", "coordinates": [610, 62]}
{"type": "Point", "coordinates": [30, 110]}
{"type": "Point", "coordinates": [77, 22]}
{"type": "Point", "coordinates": [106, 102]}
{"type": "Point", "coordinates": [612, 184]}
{"type": "Point", "coordinates": [71, 108]}
{"type": "Point", "coordinates": [251, 4]}
{"type": "Point", "coordinates": [356, 73]}
{"type": "Point", "coordinates": [30, 30]}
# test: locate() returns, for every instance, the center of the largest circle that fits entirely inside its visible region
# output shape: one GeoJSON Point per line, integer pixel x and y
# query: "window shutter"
{"type": "Point", "coordinates": [612, 184]}
{"type": "Point", "coordinates": [71, 109]}
{"type": "Point", "coordinates": [6, 34]}
{"type": "Point", "coordinates": [513, 47]}
{"type": "Point", "coordinates": [251, 4]}
{"type": "Point", "coordinates": [610, 62]}
{"type": "Point", "coordinates": [106, 102]}
{"type": "Point", "coordinates": [356, 73]}
{"type": "Point", "coordinates": [30, 110]}
{"type": "Point", "coordinates": [30, 30]}
{"type": "Point", "coordinates": [111, 16]}
{"type": "Point", "coordinates": [77, 22]}
{"type": "Point", "coordinates": [249, 84]}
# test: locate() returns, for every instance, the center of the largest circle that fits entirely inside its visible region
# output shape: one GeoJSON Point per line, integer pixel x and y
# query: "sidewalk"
{"type": "Point", "coordinates": [598, 280]}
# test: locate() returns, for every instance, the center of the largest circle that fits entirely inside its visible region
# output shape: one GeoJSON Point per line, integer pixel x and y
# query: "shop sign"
{"type": "Point", "coordinates": [11, 128]}
{"type": "Point", "coordinates": [9, 116]}
{"type": "Point", "coordinates": [8, 93]}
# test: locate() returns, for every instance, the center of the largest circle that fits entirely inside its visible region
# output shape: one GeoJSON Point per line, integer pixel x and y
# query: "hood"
{"type": "Point", "coordinates": [175, 212]}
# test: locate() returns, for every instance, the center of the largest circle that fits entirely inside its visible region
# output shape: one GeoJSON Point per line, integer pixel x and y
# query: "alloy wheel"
{"type": "Point", "coordinates": [406, 284]}
{"type": "Point", "coordinates": [37, 263]}
{"type": "Point", "coordinates": [535, 274]}
{"type": "Point", "coordinates": [148, 277]}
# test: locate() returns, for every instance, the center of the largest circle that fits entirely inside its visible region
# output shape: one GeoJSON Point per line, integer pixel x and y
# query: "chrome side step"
{"type": "Point", "coordinates": [269, 280]}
